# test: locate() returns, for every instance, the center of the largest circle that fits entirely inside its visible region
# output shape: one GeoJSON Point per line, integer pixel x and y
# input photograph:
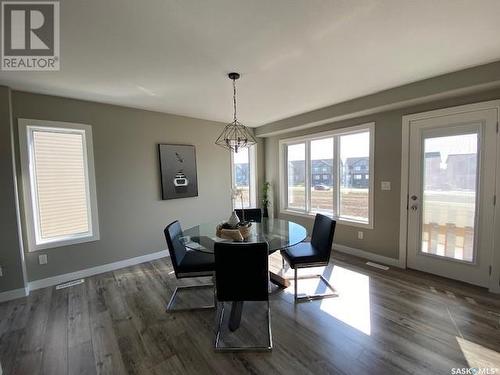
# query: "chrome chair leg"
{"type": "Point", "coordinates": [219, 325]}
{"type": "Point", "coordinates": [267, 348]}
{"type": "Point", "coordinates": [295, 283]}
{"type": "Point", "coordinates": [269, 332]}
{"type": "Point", "coordinates": [312, 297]}
{"type": "Point", "coordinates": [172, 299]}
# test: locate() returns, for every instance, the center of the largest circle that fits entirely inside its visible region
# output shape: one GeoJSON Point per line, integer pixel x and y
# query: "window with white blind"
{"type": "Point", "coordinates": [58, 182]}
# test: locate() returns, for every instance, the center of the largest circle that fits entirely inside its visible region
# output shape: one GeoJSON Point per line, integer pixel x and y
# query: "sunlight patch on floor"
{"type": "Point", "coordinates": [478, 356]}
{"type": "Point", "coordinates": [352, 306]}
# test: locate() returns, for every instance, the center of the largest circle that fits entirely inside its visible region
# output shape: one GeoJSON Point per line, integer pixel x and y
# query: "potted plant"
{"type": "Point", "coordinates": [265, 198]}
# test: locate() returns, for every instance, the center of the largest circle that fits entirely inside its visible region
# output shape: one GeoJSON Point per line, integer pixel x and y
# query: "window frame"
{"type": "Point", "coordinates": [35, 242]}
{"type": "Point", "coordinates": [283, 173]}
{"type": "Point", "coordinates": [252, 186]}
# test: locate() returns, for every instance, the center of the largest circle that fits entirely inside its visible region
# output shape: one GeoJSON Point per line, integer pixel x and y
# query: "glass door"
{"type": "Point", "coordinates": [451, 190]}
{"type": "Point", "coordinates": [450, 185]}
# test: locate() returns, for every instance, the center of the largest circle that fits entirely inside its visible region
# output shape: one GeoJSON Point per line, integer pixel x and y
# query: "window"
{"type": "Point", "coordinates": [296, 172]}
{"type": "Point", "coordinates": [243, 176]}
{"type": "Point", "coordinates": [58, 183]}
{"type": "Point", "coordinates": [321, 194]}
{"type": "Point", "coordinates": [343, 191]}
{"type": "Point", "coordinates": [354, 195]}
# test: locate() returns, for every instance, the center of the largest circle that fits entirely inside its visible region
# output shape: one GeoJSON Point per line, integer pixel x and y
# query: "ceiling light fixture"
{"type": "Point", "coordinates": [235, 135]}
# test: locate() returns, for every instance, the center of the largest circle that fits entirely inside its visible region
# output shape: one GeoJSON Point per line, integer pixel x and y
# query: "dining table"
{"type": "Point", "coordinates": [278, 233]}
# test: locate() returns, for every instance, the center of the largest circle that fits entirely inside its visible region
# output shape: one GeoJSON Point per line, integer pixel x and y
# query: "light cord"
{"type": "Point", "coordinates": [234, 99]}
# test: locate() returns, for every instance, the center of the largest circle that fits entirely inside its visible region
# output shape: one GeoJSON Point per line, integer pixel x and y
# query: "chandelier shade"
{"type": "Point", "coordinates": [235, 135]}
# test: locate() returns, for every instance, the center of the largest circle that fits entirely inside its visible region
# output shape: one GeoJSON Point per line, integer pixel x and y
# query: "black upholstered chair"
{"type": "Point", "coordinates": [251, 214]}
{"type": "Point", "coordinates": [236, 283]}
{"type": "Point", "coordinates": [187, 263]}
{"type": "Point", "coordinates": [313, 254]}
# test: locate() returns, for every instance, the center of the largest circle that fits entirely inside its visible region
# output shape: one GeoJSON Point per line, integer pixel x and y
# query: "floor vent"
{"type": "Point", "coordinates": [70, 283]}
{"type": "Point", "coordinates": [376, 265]}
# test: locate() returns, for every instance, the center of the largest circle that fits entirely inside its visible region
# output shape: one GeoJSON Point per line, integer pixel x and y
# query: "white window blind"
{"type": "Point", "coordinates": [58, 183]}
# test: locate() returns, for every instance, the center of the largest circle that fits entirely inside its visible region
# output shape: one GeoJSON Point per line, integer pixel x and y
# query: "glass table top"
{"type": "Point", "coordinates": [279, 234]}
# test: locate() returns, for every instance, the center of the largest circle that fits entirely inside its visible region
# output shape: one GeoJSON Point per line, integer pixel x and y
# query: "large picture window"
{"type": "Point", "coordinates": [58, 183]}
{"type": "Point", "coordinates": [330, 173]}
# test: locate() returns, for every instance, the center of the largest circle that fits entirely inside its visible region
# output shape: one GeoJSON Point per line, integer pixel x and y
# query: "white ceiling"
{"type": "Point", "coordinates": [294, 56]}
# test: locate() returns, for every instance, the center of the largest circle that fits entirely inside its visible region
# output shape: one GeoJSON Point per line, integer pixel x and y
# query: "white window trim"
{"type": "Point", "coordinates": [252, 160]}
{"type": "Point", "coordinates": [26, 127]}
{"type": "Point", "coordinates": [307, 139]}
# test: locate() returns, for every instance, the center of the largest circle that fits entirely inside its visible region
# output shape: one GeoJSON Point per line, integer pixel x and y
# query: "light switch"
{"type": "Point", "coordinates": [385, 185]}
{"type": "Point", "coordinates": [42, 259]}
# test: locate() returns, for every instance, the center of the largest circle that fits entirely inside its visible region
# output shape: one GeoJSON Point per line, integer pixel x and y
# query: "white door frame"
{"type": "Point", "coordinates": [494, 284]}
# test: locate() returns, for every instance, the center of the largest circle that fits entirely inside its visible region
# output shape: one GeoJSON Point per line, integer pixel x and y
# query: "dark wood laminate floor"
{"type": "Point", "coordinates": [383, 322]}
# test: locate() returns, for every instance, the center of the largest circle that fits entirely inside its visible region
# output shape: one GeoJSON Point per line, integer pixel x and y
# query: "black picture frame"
{"type": "Point", "coordinates": [179, 177]}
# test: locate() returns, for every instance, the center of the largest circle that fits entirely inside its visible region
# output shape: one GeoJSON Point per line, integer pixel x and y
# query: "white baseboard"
{"type": "Point", "coordinates": [13, 294]}
{"type": "Point", "coordinates": [367, 255]}
{"type": "Point", "coordinates": [59, 279]}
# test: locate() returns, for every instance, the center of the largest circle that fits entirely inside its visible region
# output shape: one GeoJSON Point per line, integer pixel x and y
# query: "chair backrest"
{"type": "Point", "coordinates": [177, 250]}
{"type": "Point", "coordinates": [322, 235]}
{"type": "Point", "coordinates": [251, 214]}
{"type": "Point", "coordinates": [242, 271]}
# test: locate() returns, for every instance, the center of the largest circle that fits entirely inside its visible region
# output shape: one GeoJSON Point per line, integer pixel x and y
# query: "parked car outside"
{"type": "Point", "coordinates": [322, 187]}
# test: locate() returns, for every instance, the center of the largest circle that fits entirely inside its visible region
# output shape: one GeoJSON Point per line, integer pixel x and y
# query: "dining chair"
{"type": "Point", "coordinates": [187, 264]}
{"type": "Point", "coordinates": [313, 254]}
{"type": "Point", "coordinates": [250, 214]}
{"type": "Point", "coordinates": [242, 274]}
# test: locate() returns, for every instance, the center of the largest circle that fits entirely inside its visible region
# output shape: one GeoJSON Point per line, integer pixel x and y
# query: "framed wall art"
{"type": "Point", "coordinates": [178, 171]}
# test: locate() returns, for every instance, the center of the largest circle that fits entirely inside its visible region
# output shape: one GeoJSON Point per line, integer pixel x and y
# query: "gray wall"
{"type": "Point", "coordinates": [10, 253]}
{"type": "Point", "coordinates": [471, 80]}
{"type": "Point", "coordinates": [131, 213]}
{"type": "Point", "coordinates": [383, 239]}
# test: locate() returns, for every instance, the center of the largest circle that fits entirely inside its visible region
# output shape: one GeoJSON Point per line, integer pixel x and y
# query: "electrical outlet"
{"type": "Point", "coordinates": [360, 235]}
{"type": "Point", "coordinates": [42, 259]}
{"type": "Point", "coordinates": [385, 185]}
{"type": "Point", "coordinates": [1, 271]}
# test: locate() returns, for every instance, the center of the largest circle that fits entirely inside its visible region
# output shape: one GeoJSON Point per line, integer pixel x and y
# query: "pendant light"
{"type": "Point", "coordinates": [235, 135]}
